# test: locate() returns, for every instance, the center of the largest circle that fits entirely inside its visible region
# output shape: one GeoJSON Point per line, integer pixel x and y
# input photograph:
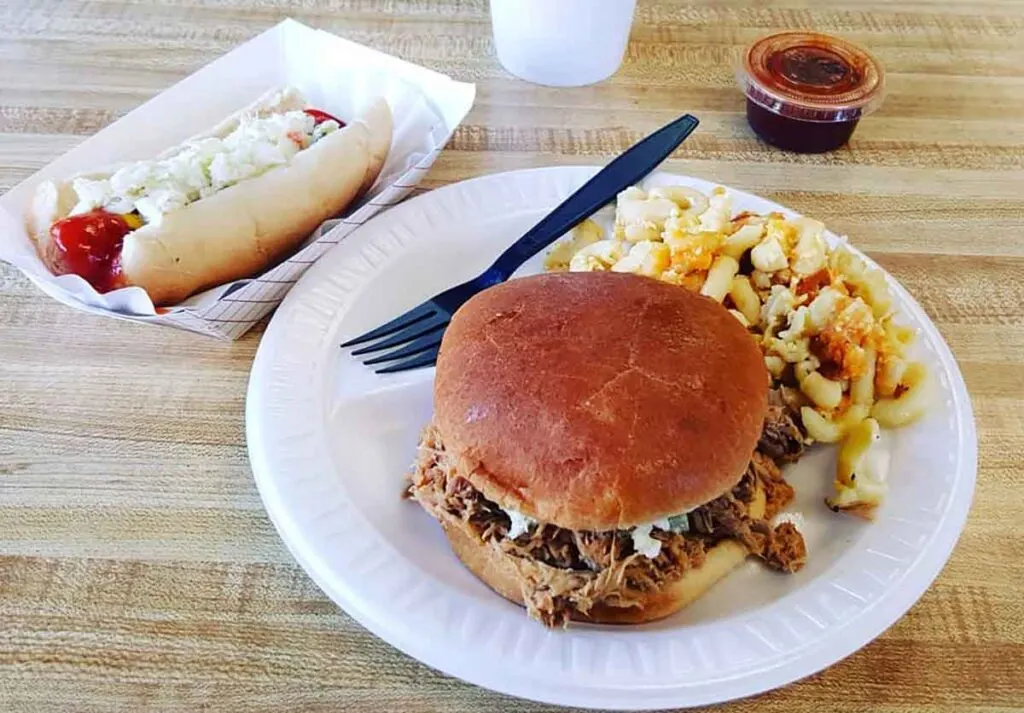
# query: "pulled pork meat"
{"type": "Point", "coordinates": [565, 571]}
{"type": "Point", "coordinates": [781, 438]}
{"type": "Point", "coordinates": [782, 548]}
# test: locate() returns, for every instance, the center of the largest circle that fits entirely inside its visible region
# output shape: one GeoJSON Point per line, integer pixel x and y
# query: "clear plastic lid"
{"type": "Point", "coordinates": [811, 77]}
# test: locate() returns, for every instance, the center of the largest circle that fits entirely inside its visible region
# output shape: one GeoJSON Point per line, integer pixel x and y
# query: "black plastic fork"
{"type": "Point", "coordinates": [412, 339]}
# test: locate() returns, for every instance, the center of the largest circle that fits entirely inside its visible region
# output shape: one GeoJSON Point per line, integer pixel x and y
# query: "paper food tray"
{"type": "Point", "coordinates": [334, 74]}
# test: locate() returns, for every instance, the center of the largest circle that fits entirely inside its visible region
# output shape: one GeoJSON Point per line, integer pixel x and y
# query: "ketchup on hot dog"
{"type": "Point", "coordinates": [89, 245]}
{"type": "Point", "coordinates": [320, 117]}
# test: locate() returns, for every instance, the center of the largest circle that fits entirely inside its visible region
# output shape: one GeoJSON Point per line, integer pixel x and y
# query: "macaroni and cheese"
{"type": "Point", "coordinates": [823, 318]}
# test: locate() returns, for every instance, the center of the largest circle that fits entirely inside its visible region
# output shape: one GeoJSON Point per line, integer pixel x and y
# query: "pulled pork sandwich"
{"type": "Point", "coordinates": [592, 452]}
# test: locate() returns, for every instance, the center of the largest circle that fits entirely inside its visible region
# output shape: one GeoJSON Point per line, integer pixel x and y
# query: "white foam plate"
{"type": "Point", "coordinates": [330, 443]}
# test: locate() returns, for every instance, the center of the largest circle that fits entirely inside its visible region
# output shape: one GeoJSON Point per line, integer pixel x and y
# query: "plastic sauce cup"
{"type": "Point", "coordinates": [806, 92]}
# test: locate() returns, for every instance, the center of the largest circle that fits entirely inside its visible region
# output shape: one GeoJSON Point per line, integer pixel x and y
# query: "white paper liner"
{"type": "Point", "coordinates": [334, 74]}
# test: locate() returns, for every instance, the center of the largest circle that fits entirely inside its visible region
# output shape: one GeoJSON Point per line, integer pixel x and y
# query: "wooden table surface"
{"type": "Point", "coordinates": [138, 570]}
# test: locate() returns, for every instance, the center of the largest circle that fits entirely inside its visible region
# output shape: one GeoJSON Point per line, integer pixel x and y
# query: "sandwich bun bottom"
{"type": "Point", "coordinates": [497, 570]}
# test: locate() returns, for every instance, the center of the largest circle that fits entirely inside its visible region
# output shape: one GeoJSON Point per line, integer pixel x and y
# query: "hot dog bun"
{"type": "Point", "coordinates": [378, 119]}
{"type": "Point", "coordinates": [241, 230]}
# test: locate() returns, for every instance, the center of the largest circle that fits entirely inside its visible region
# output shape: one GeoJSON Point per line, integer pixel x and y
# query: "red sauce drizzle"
{"type": "Point", "coordinates": [320, 117]}
{"type": "Point", "coordinates": [89, 245]}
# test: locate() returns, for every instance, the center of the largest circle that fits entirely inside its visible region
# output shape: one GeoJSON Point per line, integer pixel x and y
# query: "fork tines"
{"type": "Point", "coordinates": [414, 337]}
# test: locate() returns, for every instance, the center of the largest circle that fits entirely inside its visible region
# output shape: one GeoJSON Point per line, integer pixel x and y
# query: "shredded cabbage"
{"type": "Point", "coordinates": [679, 523]}
{"type": "Point", "coordinates": [650, 547]}
{"type": "Point", "coordinates": [644, 543]}
{"type": "Point", "coordinates": [520, 523]}
{"type": "Point", "coordinates": [201, 168]}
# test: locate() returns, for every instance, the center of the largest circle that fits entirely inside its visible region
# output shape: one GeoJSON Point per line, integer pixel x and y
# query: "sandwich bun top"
{"type": "Point", "coordinates": [598, 401]}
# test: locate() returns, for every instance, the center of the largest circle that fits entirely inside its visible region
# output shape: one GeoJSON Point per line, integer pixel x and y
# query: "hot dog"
{"type": "Point", "coordinates": [221, 206]}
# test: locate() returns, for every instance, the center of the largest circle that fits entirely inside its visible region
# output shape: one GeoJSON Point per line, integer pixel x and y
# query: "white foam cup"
{"type": "Point", "coordinates": [561, 43]}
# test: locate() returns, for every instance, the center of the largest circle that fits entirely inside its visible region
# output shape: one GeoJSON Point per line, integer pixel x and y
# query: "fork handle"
{"type": "Point", "coordinates": [623, 172]}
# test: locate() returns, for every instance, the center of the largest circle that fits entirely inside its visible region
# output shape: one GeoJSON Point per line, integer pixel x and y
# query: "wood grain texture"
{"type": "Point", "coordinates": [138, 571]}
